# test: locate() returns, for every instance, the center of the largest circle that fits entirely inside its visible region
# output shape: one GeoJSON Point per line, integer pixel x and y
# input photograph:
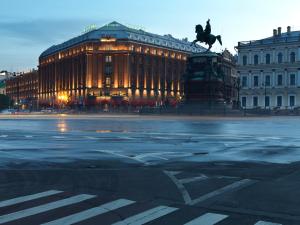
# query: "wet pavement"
{"type": "Point", "coordinates": [149, 170]}
{"type": "Point", "coordinates": [149, 140]}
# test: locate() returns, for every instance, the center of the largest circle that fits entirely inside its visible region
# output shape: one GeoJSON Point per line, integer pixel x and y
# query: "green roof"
{"type": "Point", "coordinates": [2, 85]}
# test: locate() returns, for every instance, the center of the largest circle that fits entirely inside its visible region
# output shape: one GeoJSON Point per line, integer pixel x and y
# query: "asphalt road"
{"type": "Point", "coordinates": [131, 181]}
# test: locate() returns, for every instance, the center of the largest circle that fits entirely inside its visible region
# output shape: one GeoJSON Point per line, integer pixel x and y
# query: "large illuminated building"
{"type": "Point", "coordinates": [114, 62]}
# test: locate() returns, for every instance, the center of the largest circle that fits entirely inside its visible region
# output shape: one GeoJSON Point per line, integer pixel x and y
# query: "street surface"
{"type": "Point", "coordinates": [149, 170]}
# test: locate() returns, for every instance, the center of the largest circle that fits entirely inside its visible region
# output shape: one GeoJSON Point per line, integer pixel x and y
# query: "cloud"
{"type": "Point", "coordinates": [39, 32]}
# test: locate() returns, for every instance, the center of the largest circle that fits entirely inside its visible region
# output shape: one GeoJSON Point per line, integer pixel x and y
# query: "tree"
{"type": "Point", "coordinates": [4, 101]}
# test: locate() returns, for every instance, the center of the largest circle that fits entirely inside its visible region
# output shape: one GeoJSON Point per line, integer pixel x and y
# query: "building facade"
{"type": "Point", "coordinates": [23, 89]}
{"type": "Point", "coordinates": [114, 62]}
{"type": "Point", "coordinates": [269, 71]}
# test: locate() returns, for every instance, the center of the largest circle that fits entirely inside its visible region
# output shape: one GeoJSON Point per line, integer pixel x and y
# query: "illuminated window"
{"type": "Point", "coordinates": [107, 81]}
{"type": "Point", "coordinates": [108, 58]}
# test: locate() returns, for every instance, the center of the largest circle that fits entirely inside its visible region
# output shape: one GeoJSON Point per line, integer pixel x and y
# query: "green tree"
{"type": "Point", "coordinates": [4, 101]}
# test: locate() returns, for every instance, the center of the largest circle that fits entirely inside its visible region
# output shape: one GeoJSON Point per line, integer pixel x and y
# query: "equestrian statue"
{"type": "Point", "coordinates": [205, 36]}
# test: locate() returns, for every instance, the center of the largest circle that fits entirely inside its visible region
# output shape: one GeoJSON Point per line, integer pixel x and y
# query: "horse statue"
{"type": "Point", "coordinates": [205, 36]}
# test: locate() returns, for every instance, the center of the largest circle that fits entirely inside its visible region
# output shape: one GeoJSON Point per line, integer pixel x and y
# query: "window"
{"type": "Point", "coordinates": [279, 80]}
{"type": "Point", "coordinates": [255, 59]}
{"type": "Point", "coordinates": [267, 81]}
{"type": "Point", "coordinates": [279, 101]}
{"type": "Point", "coordinates": [244, 101]}
{"type": "Point", "coordinates": [244, 82]}
{"type": "Point", "coordinates": [108, 58]}
{"type": "Point", "coordinates": [107, 81]}
{"type": "Point", "coordinates": [292, 100]}
{"type": "Point", "coordinates": [108, 69]}
{"type": "Point", "coordinates": [244, 60]}
{"type": "Point", "coordinates": [292, 79]}
{"type": "Point", "coordinates": [268, 58]}
{"type": "Point", "coordinates": [255, 101]}
{"type": "Point", "coordinates": [255, 81]}
{"type": "Point", "coordinates": [292, 57]}
{"type": "Point", "coordinates": [280, 57]}
{"type": "Point", "coordinates": [267, 101]}
{"type": "Point", "coordinates": [121, 84]}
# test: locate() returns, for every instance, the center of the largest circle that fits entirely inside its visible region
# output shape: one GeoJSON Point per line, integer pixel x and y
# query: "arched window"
{"type": "Point", "coordinates": [292, 57]}
{"type": "Point", "coordinates": [268, 58]}
{"type": "Point", "coordinates": [244, 60]}
{"type": "Point", "coordinates": [255, 59]}
{"type": "Point", "coordinates": [279, 57]}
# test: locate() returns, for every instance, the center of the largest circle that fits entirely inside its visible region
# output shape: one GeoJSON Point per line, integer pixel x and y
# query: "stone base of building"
{"type": "Point", "coordinates": [206, 108]}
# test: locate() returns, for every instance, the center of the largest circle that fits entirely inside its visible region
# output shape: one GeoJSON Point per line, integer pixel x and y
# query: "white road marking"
{"type": "Point", "coordinates": [175, 172]}
{"type": "Point", "coordinates": [28, 198]}
{"type": "Point", "coordinates": [59, 137]}
{"type": "Point", "coordinates": [147, 216]}
{"type": "Point", "coordinates": [91, 138]}
{"type": "Point", "coordinates": [3, 136]}
{"type": "Point", "coordinates": [44, 208]}
{"type": "Point", "coordinates": [121, 155]}
{"type": "Point", "coordinates": [207, 219]}
{"type": "Point", "coordinates": [266, 223]}
{"type": "Point", "coordinates": [84, 215]}
{"type": "Point", "coordinates": [28, 136]}
{"type": "Point", "coordinates": [152, 155]}
{"type": "Point", "coordinates": [234, 186]}
{"type": "Point", "coordinates": [193, 179]}
{"type": "Point", "coordinates": [186, 197]}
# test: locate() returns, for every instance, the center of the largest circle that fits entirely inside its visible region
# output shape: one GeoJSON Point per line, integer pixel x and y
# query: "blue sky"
{"type": "Point", "coordinates": [28, 27]}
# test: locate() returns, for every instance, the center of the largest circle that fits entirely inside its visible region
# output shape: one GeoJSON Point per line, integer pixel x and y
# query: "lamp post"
{"type": "Point", "coordinates": [265, 93]}
{"type": "Point", "coordinates": [238, 86]}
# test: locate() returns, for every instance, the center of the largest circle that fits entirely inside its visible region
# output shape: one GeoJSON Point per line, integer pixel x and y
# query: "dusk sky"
{"type": "Point", "coordinates": [29, 27]}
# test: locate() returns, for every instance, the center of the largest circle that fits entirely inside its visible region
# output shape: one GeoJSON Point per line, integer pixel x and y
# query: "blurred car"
{"type": "Point", "coordinates": [8, 111]}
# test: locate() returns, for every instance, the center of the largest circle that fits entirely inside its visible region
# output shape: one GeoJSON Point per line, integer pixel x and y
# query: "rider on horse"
{"type": "Point", "coordinates": [206, 36]}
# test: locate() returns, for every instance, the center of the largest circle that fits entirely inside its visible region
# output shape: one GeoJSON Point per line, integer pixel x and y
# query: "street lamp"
{"type": "Point", "coordinates": [265, 93]}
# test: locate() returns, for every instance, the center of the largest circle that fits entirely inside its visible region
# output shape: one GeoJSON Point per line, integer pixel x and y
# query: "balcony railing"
{"type": "Point", "coordinates": [267, 41]}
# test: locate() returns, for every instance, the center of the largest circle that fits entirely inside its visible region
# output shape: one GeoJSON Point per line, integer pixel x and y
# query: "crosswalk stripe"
{"type": "Point", "coordinates": [266, 223]}
{"type": "Point", "coordinates": [207, 219]}
{"type": "Point", "coordinates": [84, 215]}
{"type": "Point", "coordinates": [147, 216]}
{"type": "Point", "coordinates": [44, 208]}
{"type": "Point", "coordinates": [28, 198]}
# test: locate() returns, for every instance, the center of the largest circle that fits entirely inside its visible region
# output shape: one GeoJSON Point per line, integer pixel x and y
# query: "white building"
{"type": "Point", "coordinates": [5, 75]}
{"type": "Point", "coordinates": [269, 71]}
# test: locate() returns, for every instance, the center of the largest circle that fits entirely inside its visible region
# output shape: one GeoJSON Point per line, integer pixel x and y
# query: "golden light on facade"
{"type": "Point", "coordinates": [108, 39]}
{"type": "Point", "coordinates": [137, 92]}
{"type": "Point", "coordinates": [129, 93]}
{"type": "Point", "coordinates": [62, 97]}
{"type": "Point", "coordinates": [145, 93]}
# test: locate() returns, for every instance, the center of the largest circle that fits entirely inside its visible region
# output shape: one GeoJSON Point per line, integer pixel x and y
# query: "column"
{"type": "Point", "coordinates": [273, 56]}
{"type": "Point", "coordinates": [250, 58]}
{"type": "Point", "coordinates": [273, 79]}
{"type": "Point", "coordinates": [298, 78]}
{"type": "Point", "coordinates": [89, 70]}
{"type": "Point", "coordinates": [250, 80]}
{"type": "Point", "coordinates": [261, 57]}
{"type": "Point", "coordinates": [285, 79]}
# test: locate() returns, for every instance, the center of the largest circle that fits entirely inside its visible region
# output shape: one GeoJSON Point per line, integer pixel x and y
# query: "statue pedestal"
{"type": "Point", "coordinates": [204, 85]}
